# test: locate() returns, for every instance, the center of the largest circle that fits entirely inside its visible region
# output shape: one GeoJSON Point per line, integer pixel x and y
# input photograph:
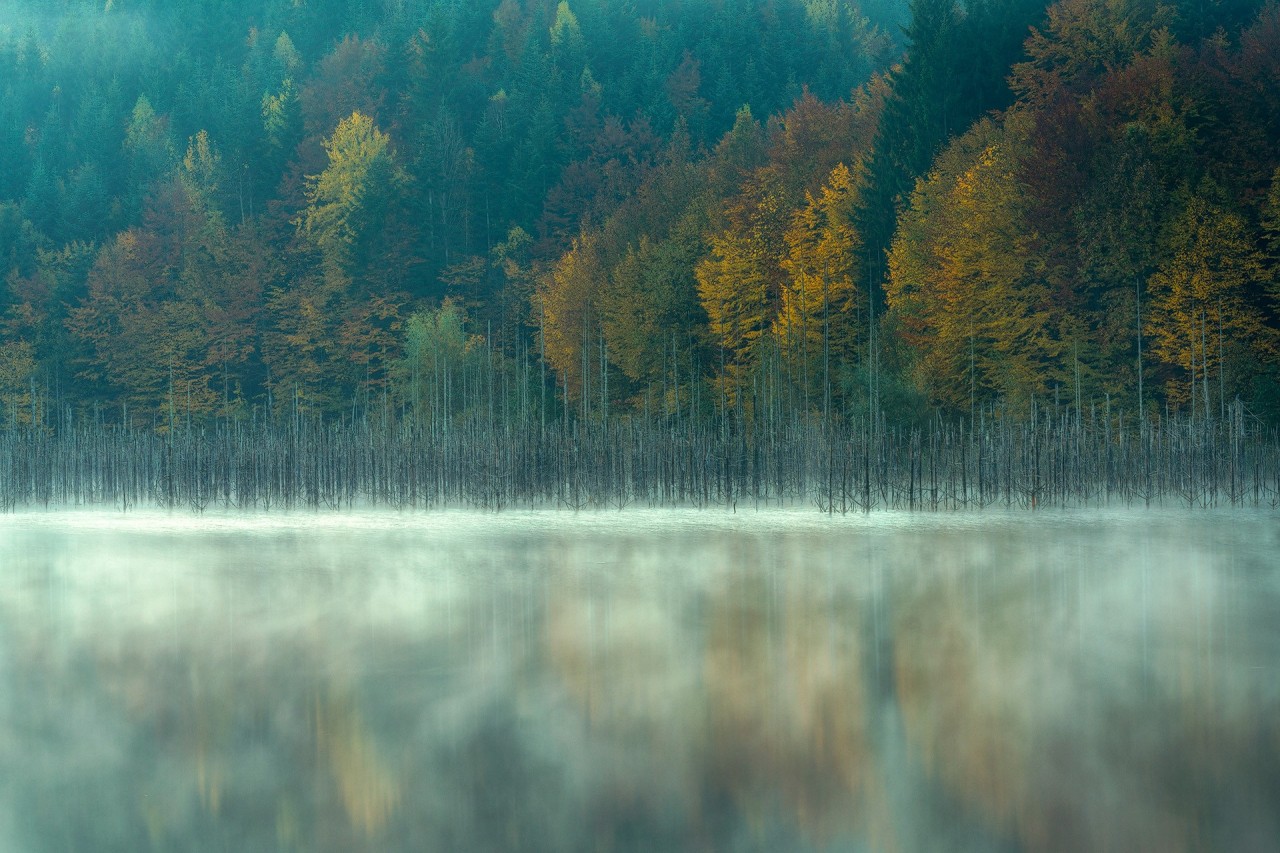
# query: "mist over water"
{"type": "Point", "coordinates": [640, 680]}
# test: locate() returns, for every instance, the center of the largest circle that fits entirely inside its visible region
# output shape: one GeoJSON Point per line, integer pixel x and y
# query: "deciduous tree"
{"type": "Point", "coordinates": [1205, 311]}
{"type": "Point", "coordinates": [348, 201]}
{"type": "Point", "coordinates": [965, 282]}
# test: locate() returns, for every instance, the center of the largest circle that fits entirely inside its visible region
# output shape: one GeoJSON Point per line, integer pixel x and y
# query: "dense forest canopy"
{"type": "Point", "coordinates": [220, 209]}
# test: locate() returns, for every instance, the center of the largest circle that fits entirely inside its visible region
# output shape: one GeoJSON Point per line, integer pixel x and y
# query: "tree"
{"type": "Point", "coordinates": [19, 241]}
{"type": "Point", "coordinates": [150, 149]}
{"type": "Point", "coordinates": [566, 36]}
{"type": "Point", "coordinates": [39, 302]}
{"type": "Point", "coordinates": [740, 282]}
{"type": "Point", "coordinates": [349, 199]}
{"type": "Point", "coordinates": [819, 321]}
{"type": "Point", "coordinates": [683, 88]}
{"type": "Point", "coordinates": [170, 316]}
{"type": "Point", "coordinates": [144, 340]}
{"type": "Point", "coordinates": [202, 168]}
{"type": "Point", "coordinates": [1081, 41]}
{"type": "Point", "coordinates": [1271, 220]}
{"type": "Point", "coordinates": [445, 170]}
{"type": "Point", "coordinates": [919, 114]}
{"type": "Point", "coordinates": [1102, 250]}
{"type": "Point", "coordinates": [652, 299]}
{"type": "Point", "coordinates": [965, 282]}
{"type": "Point", "coordinates": [233, 305]}
{"type": "Point", "coordinates": [348, 80]}
{"type": "Point", "coordinates": [438, 351]}
{"type": "Point", "coordinates": [42, 205]}
{"type": "Point", "coordinates": [299, 347]}
{"type": "Point", "coordinates": [568, 315]}
{"type": "Point", "coordinates": [17, 370]}
{"type": "Point", "coordinates": [954, 71]}
{"type": "Point", "coordinates": [1206, 323]}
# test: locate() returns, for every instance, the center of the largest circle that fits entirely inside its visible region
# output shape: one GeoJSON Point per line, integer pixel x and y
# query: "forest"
{"type": "Point", "coordinates": [242, 211]}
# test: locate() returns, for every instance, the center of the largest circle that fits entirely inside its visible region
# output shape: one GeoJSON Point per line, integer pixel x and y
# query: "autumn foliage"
{"type": "Point", "coordinates": [1078, 202]}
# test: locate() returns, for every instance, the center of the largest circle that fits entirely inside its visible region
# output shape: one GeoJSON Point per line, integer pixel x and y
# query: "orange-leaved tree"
{"type": "Point", "coordinates": [144, 318]}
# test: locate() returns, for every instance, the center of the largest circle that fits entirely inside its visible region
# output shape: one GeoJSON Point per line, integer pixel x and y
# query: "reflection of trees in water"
{"type": "Point", "coordinates": [368, 787]}
{"type": "Point", "coordinates": [706, 695]}
{"type": "Point", "coordinates": [217, 751]}
{"type": "Point", "coordinates": [748, 705]}
{"type": "Point", "coordinates": [786, 706]}
{"type": "Point", "coordinates": [292, 712]}
{"type": "Point", "coordinates": [1026, 690]}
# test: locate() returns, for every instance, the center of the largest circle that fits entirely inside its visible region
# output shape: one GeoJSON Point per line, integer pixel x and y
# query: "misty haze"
{"type": "Point", "coordinates": [646, 680]}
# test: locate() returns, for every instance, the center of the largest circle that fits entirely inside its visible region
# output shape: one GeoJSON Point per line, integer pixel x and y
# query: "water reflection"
{"type": "Point", "coordinates": [641, 681]}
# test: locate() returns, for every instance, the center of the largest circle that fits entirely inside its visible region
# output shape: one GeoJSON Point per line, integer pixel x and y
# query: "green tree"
{"type": "Point", "coordinates": [149, 147]}
{"type": "Point", "coordinates": [954, 71]}
{"type": "Point", "coordinates": [651, 300]}
{"type": "Point", "coordinates": [431, 375]}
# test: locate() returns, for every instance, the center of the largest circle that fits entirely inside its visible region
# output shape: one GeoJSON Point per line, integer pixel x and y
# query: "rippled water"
{"type": "Point", "coordinates": [640, 681]}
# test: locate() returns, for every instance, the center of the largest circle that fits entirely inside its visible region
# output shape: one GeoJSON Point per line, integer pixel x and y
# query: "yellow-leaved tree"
{"type": "Point", "coordinates": [17, 368]}
{"type": "Point", "coordinates": [818, 323]}
{"type": "Point", "coordinates": [568, 314]}
{"type": "Point", "coordinates": [964, 281]}
{"type": "Point", "coordinates": [740, 283]}
{"type": "Point", "coordinates": [333, 332]}
{"type": "Point", "coordinates": [349, 199]}
{"type": "Point", "coordinates": [1207, 322]}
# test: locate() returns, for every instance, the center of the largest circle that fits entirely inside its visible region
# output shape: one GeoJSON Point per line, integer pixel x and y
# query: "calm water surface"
{"type": "Point", "coordinates": [640, 681]}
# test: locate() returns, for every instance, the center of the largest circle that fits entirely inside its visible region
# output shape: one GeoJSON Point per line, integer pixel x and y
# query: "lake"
{"type": "Point", "coordinates": [643, 680]}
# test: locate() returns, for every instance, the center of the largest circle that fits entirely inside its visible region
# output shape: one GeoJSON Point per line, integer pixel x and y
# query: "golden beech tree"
{"type": "Point", "coordinates": [786, 236]}
{"type": "Point", "coordinates": [740, 283]}
{"type": "Point", "coordinates": [964, 280]}
{"type": "Point", "coordinates": [568, 314]}
{"type": "Point", "coordinates": [1206, 317]}
{"type": "Point", "coordinates": [818, 324]}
